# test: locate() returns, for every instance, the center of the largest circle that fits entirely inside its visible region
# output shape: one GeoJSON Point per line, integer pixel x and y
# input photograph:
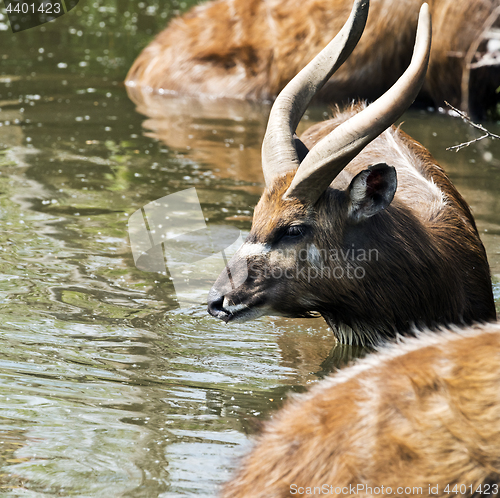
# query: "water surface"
{"type": "Point", "coordinates": [107, 386]}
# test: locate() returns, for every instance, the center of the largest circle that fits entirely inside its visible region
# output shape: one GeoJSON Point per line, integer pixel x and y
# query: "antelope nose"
{"type": "Point", "coordinates": [215, 308]}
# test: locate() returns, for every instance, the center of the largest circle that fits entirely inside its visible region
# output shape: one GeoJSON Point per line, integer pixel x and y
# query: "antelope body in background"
{"type": "Point", "coordinates": [364, 228]}
{"type": "Point", "coordinates": [250, 49]}
{"type": "Point", "coordinates": [419, 418]}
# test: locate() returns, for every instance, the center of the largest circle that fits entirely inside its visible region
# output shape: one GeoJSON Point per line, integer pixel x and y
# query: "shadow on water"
{"type": "Point", "coordinates": [106, 384]}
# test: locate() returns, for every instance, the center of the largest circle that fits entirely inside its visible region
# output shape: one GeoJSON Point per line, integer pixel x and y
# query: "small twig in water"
{"type": "Point", "coordinates": [466, 118]}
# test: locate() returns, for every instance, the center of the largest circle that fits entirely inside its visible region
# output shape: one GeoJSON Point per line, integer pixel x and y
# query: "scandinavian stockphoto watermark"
{"type": "Point", "coordinates": [170, 236]}
{"type": "Point", "coordinates": [311, 264]}
{"type": "Point", "coordinates": [356, 489]}
{"type": "Point", "coordinates": [429, 490]}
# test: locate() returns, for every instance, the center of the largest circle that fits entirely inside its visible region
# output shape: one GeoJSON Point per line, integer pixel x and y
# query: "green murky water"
{"type": "Point", "coordinates": [107, 386]}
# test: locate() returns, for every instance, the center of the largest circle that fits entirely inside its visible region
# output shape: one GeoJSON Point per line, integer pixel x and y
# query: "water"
{"type": "Point", "coordinates": [107, 387]}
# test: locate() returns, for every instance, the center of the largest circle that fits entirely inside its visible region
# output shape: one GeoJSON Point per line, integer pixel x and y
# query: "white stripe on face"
{"type": "Point", "coordinates": [248, 250]}
{"type": "Point", "coordinates": [314, 256]}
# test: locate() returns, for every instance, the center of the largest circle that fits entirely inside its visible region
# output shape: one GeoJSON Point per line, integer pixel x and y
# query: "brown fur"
{"type": "Point", "coordinates": [418, 414]}
{"type": "Point", "coordinates": [427, 265]}
{"type": "Point", "coordinates": [249, 49]}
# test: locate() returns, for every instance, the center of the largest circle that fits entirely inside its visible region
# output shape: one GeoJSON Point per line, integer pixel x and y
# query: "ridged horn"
{"type": "Point", "coordinates": [331, 154]}
{"type": "Point", "coordinates": [278, 148]}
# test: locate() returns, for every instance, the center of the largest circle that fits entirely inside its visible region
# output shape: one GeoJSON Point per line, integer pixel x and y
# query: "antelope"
{"type": "Point", "coordinates": [357, 221]}
{"type": "Point", "coordinates": [250, 49]}
{"type": "Point", "coordinates": [417, 418]}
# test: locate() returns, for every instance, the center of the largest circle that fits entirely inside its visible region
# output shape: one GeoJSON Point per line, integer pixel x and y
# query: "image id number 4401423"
{"type": "Point", "coordinates": [34, 8]}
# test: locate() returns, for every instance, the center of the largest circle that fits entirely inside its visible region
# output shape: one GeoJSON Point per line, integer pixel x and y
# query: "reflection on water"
{"type": "Point", "coordinates": [226, 133]}
{"type": "Point", "coordinates": [107, 387]}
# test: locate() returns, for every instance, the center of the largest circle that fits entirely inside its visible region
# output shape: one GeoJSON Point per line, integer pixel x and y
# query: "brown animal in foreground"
{"type": "Point", "coordinates": [250, 49]}
{"type": "Point", "coordinates": [420, 417]}
{"type": "Point", "coordinates": [364, 228]}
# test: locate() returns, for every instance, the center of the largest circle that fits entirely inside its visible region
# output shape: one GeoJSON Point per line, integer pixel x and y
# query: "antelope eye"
{"type": "Point", "coordinates": [294, 231]}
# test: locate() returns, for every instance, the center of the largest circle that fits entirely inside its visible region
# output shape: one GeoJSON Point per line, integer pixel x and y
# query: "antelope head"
{"type": "Point", "coordinates": [296, 261]}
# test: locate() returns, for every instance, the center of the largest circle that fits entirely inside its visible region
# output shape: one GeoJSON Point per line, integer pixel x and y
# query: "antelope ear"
{"type": "Point", "coordinates": [371, 191]}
